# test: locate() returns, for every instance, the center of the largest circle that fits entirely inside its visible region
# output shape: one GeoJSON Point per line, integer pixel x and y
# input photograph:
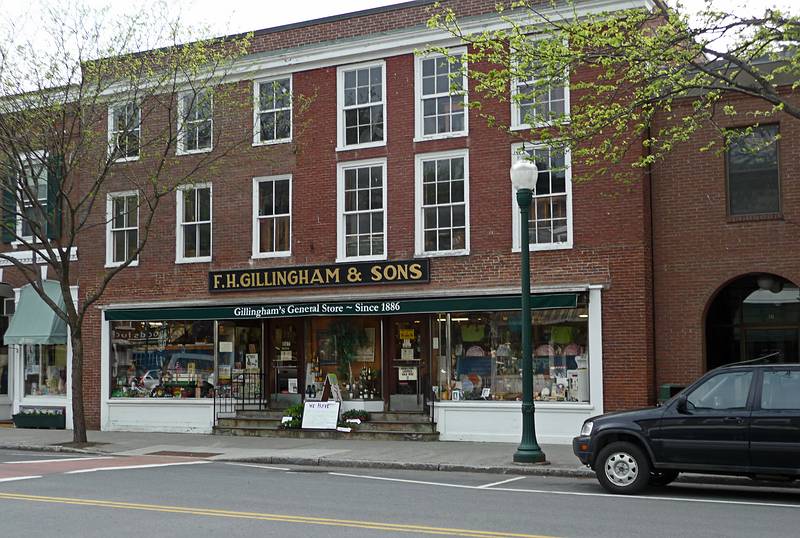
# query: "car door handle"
{"type": "Point", "coordinates": [733, 420]}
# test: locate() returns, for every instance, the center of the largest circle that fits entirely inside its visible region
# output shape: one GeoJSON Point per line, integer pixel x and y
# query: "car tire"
{"type": "Point", "coordinates": [622, 467]}
{"type": "Point", "coordinates": [662, 478]}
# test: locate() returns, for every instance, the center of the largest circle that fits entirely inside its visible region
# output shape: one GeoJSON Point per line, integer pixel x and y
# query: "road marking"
{"type": "Point", "coordinates": [128, 467]}
{"type": "Point", "coordinates": [258, 466]}
{"type": "Point", "coordinates": [15, 478]}
{"type": "Point", "coordinates": [576, 493]}
{"type": "Point", "coordinates": [57, 459]}
{"type": "Point", "coordinates": [501, 482]}
{"type": "Point", "coordinates": [285, 518]}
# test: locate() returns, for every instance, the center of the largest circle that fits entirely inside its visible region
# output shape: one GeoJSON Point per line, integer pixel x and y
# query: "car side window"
{"type": "Point", "coordinates": [724, 391]}
{"type": "Point", "coordinates": [781, 390]}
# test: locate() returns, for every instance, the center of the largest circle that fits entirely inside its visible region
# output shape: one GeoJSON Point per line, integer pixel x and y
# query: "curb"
{"type": "Point", "coordinates": [50, 448]}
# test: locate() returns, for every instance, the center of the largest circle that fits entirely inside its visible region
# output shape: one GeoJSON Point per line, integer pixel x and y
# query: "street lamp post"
{"type": "Point", "coordinates": [523, 178]}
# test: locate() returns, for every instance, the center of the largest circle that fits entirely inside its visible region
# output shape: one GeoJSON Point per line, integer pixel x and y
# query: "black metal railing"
{"type": "Point", "coordinates": [246, 391]}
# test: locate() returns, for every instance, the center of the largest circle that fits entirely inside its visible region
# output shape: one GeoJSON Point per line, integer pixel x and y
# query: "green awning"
{"type": "Point", "coordinates": [33, 321]}
{"type": "Point", "coordinates": [344, 308]}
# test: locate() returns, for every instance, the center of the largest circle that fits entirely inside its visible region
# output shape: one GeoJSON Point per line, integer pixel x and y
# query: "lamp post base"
{"type": "Point", "coordinates": [530, 456]}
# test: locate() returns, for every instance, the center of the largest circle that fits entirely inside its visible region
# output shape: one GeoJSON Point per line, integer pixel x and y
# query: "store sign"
{"type": "Point", "coordinates": [407, 373]}
{"type": "Point", "coordinates": [321, 276]}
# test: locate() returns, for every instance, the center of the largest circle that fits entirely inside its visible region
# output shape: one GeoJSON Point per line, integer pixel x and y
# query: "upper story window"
{"type": "Point", "coordinates": [550, 221]}
{"type": "Point", "coordinates": [194, 224]}
{"type": "Point", "coordinates": [32, 196]}
{"type": "Point", "coordinates": [362, 105]}
{"type": "Point", "coordinates": [441, 87]}
{"type": "Point", "coordinates": [272, 203]}
{"type": "Point", "coordinates": [537, 101]}
{"type": "Point", "coordinates": [122, 228]}
{"type": "Point", "coordinates": [195, 121]}
{"type": "Point", "coordinates": [124, 131]}
{"type": "Point", "coordinates": [442, 192]}
{"type": "Point", "coordinates": [753, 178]}
{"type": "Point", "coordinates": [361, 204]}
{"type": "Point", "coordinates": [273, 111]}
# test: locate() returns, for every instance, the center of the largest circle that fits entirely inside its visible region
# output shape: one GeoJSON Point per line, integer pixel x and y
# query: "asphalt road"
{"type": "Point", "coordinates": [64, 495]}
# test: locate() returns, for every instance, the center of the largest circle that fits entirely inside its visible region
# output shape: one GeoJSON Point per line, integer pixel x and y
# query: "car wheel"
{"type": "Point", "coordinates": [662, 478]}
{"type": "Point", "coordinates": [622, 467]}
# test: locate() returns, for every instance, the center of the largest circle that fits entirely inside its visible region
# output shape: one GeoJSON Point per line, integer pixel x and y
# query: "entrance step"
{"type": "Point", "coordinates": [381, 426]}
{"type": "Point", "coordinates": [376, 435]}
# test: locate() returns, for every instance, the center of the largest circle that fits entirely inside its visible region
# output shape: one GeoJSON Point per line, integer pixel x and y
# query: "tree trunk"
{"type": "Point", "coordinates": [78, 416]}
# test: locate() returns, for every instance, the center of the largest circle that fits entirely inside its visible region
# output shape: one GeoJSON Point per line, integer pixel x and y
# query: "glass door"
{"type": "Point", "coordinates": [240, 360]}
{"type": "Point", "coordinates": [285, 357]}
{"type": "Point", "coordinates": [408, 368]}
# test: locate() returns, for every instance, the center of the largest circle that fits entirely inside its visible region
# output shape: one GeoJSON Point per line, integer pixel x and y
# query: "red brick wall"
{"type": "Point", "coordinates": [611, 238]}
{"type": "Point", "coordinates": [699, 249]}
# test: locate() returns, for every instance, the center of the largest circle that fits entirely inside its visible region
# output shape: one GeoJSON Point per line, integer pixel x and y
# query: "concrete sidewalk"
{"type": "Point", "coordinates": [433, 456]}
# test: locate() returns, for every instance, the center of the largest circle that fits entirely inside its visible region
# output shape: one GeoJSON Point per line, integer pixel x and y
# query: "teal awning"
{"type": "Point", "coordinates": [34, 322]}
{"type": "Point", "coordinates": [344, 308]}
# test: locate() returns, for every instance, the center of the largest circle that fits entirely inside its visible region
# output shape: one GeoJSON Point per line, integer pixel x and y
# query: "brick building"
{"type": "Point", "coordinates": [372, 234]}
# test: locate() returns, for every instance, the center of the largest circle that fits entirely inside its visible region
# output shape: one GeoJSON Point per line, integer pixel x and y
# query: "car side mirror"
{"type": "Point", "coordinates": [681, 406]}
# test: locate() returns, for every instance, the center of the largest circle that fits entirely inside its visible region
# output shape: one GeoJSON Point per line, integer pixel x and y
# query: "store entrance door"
{"type": "Point", "coordinates": [285, 360]}
{"type": "Point", "coordinates": [408, 357]}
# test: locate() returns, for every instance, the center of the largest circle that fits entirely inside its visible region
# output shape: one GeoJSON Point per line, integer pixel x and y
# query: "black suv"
{"type": "Point", "coordinates": [741, 419]}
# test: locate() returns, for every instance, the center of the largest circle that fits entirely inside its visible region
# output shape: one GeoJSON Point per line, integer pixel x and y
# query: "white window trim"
{"type": "Point", "coordinates": [180, 150]}
{"type": "Point", "coordinates": [419, 241]}
{"type": "Point", "coordinates": [39, 156]}
{"type": "Point", "coordinates": [340, 125]}
{"type": "Point", "coordinates": [418, 123]}
{"type": "Point", "coordinates": [515, 219]}
{"type": "Point", "coordinates": [516, 125]}
{"type": "Point", "coordinates": [179, 258]}
{"type": "Point", "coordinates": [109, 226]}
{"type": "Point", "coordinates": [256, 111]}
{"type": "Point", "coordinates": [110, 132]}
{"type": "Point", "coordinates": [256, 229]}
{"type": "Point", "coordinates": [340, 228]}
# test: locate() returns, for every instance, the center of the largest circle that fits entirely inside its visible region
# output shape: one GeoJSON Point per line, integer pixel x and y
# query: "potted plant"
{"type": "Point", "coordinates": [40, 417]}
{"type": "Point", "coordinates": [349, 338]}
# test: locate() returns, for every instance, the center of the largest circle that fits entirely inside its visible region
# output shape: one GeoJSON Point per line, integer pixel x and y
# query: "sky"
{"type": "Point", "coordinates": [233, 16]}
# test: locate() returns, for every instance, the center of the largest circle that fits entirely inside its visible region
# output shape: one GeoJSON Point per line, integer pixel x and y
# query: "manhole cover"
{"type": "Point", "coordinates": [183, 454]}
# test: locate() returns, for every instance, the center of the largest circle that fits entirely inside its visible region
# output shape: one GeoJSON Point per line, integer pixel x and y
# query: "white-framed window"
{"type": "Point", "coordinates": [537, 103]}
{"type": "Point", "coordinates": [272, 106]}
{"type": "Point", "coordinates": [550, 223]}
{"type": "Point", "coordinates": [32, 183]}
{"type": "Point", "coordinates": [441, 95]}
{"type": "Point", "coordinates": [272, 216]}
{"type": "Point", "coordinates": [442, 203]}
{"type": "Point", "coordinates": [193, 234]}
{"type": "Point", "coordinates": [361, 100]}
{"type": "Point", "coordinates": [122, 227]}
{"type": "Point", "coordinates": [124, 131]}
{"type": "Point", "coordinates": [195, 121]}
{"type": "Point", "coordinates": [361, 210]}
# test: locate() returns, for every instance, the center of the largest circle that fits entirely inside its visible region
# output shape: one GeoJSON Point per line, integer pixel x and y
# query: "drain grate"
{"type": "Point", "coordinates": [183, 454]}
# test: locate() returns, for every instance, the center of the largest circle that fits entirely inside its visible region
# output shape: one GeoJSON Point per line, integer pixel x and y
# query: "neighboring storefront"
{"type": "Point", "coordinates": [38, 354]}
{"type": "Point", "coordinates": [459, 356]}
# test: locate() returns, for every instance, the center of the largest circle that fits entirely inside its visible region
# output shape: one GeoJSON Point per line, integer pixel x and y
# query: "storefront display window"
{"type": "Point", "coordinates": [45, 371]}
{"type": "Point", "coordinates": [162, 359]}
{"type": "Point", "coordinates": [350, 349]}
{"type": "Point", "coordinates": [3, 358]}
{"type": "Point", "coordinates": [480, 356]}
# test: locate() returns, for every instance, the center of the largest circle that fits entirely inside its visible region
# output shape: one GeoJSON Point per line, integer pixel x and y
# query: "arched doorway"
{"type": "Point", "coordinates": [753, 316]}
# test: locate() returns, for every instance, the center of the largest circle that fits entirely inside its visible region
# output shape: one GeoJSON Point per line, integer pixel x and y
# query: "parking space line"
{"type": "Point", "coordinates": [501, 482]}
{"type": "Point", "coordinates": [576, 493]}
{"type": "Point", "coordinates": [267, 467]}
{"type": "Point", "coordinates": [15, 478]}
{"type": "Point", "coordinates": [128, 467]}
{"type": "Point", "coordinates": [57, 459]}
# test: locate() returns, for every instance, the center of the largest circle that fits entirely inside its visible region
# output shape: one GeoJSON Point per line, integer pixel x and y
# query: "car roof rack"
{"type": "Point", "coordinates": [776, 357]}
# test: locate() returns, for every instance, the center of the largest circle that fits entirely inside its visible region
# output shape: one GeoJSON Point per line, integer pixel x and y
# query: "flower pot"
{"type": "Point", "coordinates": [40, 421]}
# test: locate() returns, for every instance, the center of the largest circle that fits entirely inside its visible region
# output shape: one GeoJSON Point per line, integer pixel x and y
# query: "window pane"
{"type": "Point", "coordinates": [133, 242]}
{"type": "Point", "coordinates": [781, 390]}
{"type": "Point", "coordinates": [118, 246]}
{"type": "Point", "coordinates": [282, 234]}
{"type": "Point", "coordinates": [189, 205]}
{"type": "Point", "coordinates": [190, 241]}
{"type": "Point", "coordinates": [266, 241]}
{"type": "Point", "coordinates": [721, 392]}
{"type": "Point", "coordinates": [118, 212]}
{"type": "Point", "coordinates": [265, 198]}
{"type": "Point", "coordinates": [204, 196]}
{"type": "Point", "coordinates": [205, 240]}
{"type": "Point", "coordinates": [133, 210]}
{"type": "Point", "coordinates": [282, 197]}
{"type": "Point", "coordinates": [753, 180]}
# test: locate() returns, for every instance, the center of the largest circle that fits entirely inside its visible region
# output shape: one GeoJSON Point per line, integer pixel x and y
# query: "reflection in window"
{"type": "Point", "coordinates": [164, 359]}
{"type": "Point", "coordinates": [45, 370]}
{"type": "Point", "coordinates": [723, 391]}
{"type": "Point", "coordinates": [485, 360]}
{"type": "Point", "coordinates": [753, 181]}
